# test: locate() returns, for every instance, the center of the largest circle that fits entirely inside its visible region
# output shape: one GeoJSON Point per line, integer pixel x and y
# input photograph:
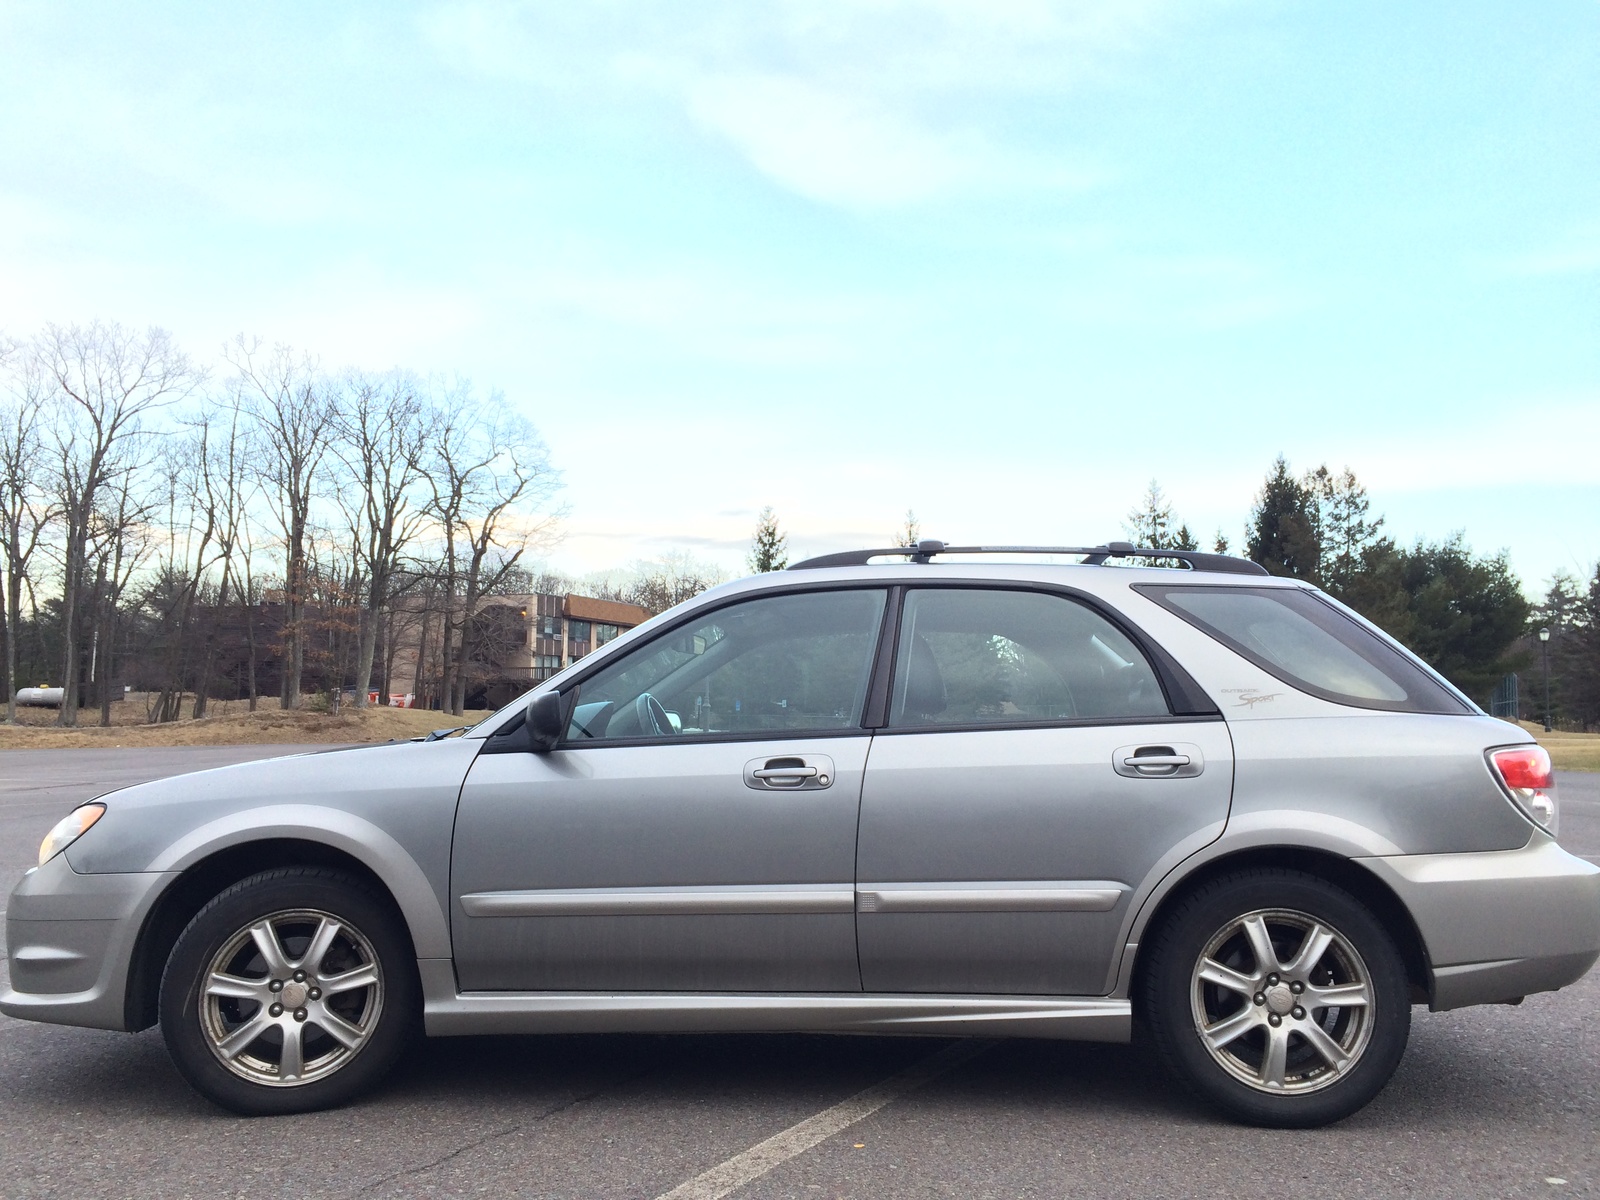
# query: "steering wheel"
{"type": "Point", "coordinates": [651, 716]}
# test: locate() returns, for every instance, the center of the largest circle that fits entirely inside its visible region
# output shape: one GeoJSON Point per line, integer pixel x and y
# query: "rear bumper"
{"type": "Point", "coordinates": [70, 939]}
{"type": "Point", "coordinates": [1501, 924]}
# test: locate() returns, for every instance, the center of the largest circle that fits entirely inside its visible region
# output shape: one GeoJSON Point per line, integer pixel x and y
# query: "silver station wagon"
{"type": "Point", "coordinates": [939, 791]}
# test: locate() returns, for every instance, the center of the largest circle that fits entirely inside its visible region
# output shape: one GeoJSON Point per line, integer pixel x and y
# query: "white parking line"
{"type": "Point", "coordinates": [755, 1162]}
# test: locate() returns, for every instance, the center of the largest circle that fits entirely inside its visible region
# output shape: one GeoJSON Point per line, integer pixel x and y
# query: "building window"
{"type": "Point", "coordinates": [577, 631]}
{"type": "Point", "coordinates": [551, 627]}
{"type": "Point", "coordinates": [604, 633]}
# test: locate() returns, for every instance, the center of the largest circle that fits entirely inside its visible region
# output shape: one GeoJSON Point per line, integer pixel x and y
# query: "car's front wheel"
{"type": "Point", "coordinates": [1277, 996]}
{"type": "Point", "coordinates": [293, 990]}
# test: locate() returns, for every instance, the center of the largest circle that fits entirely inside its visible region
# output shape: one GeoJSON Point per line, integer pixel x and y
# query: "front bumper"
{"type": "Point", "coordinates": [1501, 924]}
{"type": "Point", "coordinates": [70, 939]}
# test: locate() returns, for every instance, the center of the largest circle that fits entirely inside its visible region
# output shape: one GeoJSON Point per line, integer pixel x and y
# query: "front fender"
{"type": "Point", "coordinates": [354, 835]}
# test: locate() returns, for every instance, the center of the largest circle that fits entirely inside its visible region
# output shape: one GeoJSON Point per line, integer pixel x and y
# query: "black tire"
{"type": "Point", "coordinates": [1220, 922]}
{"type": "Point", "coordinates": [299, 903]}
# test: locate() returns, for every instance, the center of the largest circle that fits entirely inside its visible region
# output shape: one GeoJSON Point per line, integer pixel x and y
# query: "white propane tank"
{"type": "Point", "coordinates": [47, 697]}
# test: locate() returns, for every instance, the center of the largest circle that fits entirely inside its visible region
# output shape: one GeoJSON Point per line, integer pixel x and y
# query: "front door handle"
{"type": "Point", "coordinates": [1165, 761]}
{"type": "Point", "coordinates": [785, 774]}
{"type": "Point", "coordinates": [789, 773]}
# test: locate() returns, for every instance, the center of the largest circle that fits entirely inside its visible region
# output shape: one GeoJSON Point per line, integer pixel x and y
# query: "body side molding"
{"type": "Point", "coordinates": [661, 901]}
{"type": "Point", "coordinates": [1044, 896]}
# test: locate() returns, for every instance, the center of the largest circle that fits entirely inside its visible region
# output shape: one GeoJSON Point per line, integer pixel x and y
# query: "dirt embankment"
{"type": "Point", "coordinates": [265, 726]}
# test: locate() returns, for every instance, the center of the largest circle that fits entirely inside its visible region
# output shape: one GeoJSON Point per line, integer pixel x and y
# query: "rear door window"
{"type": "Point", "coordinates": [1302, 639]}
{"type": "Point", "coordinates": [971, 657]}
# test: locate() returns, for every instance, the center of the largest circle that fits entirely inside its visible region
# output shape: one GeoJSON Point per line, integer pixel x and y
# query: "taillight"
{"type": "Point", "coordinates": [1526, 772]}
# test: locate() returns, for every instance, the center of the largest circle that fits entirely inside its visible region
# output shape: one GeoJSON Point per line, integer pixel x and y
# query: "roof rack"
{"type": "Point", "coordinates": [1093, 556]}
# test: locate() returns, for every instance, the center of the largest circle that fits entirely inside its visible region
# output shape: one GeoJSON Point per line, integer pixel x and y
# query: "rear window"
{"type": "Point", "coordinates": [1305, 641]}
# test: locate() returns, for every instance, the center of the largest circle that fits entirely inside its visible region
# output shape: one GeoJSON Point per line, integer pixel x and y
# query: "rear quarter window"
{"type": "Point", "coordinates": [1307, 642]}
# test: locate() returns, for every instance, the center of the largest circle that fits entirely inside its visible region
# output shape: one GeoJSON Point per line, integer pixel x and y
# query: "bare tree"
{"type": "Point", "coordinates": [106, 379]}
{"type": "Point", "coordinates": [490, 477]}
{"type": "Point", "coordinates": [25, 508]}
{"type": "Point", "coordinates": [191, 524]}
{"type": "Point", "coordinates": [382, 434]}
{"type": "Point", "coordinates": [295, 413]}
{"type": "Point", "coordinates": [226, 490]}
{"type": "Point", "coordinates": [119, 544]}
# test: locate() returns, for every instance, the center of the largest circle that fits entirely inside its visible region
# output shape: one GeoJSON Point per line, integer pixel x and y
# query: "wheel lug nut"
{"type": "Point", "coordinates": [275, 1011]}
{"type": "Point", "coordinates": [315, 993]}
{"type": "Point", "coordinates": [1274, 1020]}
{"type": "Point", "coordinates": [299, 1014]}
{"type": "Point", "coordinates": [275, 986]}
{"type": "Point", "coordinates": [1272, 980]}
{"type": "Point", "coordinates": [1299, 1013]}
{"type": "Point", "coordinates": [1297, 987]}
{"type": "Point", "coordinates": [299, 976]}
{"type": "Point", "coordinates": [1259, 998]}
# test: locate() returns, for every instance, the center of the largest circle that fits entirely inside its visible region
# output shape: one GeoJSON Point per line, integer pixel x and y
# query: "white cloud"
{"type": "Point", "coordinates": [1575, 253]}
{"type": "Point", "coordinates": [856, 151]}
{"type": "Point", "coordinates": [860, 103]}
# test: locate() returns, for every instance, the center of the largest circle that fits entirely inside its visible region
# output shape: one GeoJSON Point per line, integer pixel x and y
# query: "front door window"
{"type": "Point", "coordinates": [784, 664]}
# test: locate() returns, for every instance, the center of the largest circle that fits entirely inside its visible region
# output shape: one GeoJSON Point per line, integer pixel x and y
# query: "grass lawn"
{"type": "Point", "coordinates": [1568, 751]}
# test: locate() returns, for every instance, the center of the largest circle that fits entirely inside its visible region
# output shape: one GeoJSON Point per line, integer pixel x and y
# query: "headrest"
{"type": "Point", "coordinates": [924, 695]}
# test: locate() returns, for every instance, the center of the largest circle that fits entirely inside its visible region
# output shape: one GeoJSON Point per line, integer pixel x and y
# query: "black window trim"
{"type": "Point", "coordinates": [1178, 687]}
{"type": "Point", "coordinates": [1155, 593]}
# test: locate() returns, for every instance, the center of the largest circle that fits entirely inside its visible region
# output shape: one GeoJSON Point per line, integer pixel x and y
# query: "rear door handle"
{"type": "Point", "coordinates": [789, 773]}
{"type": "Point", "coordinates": [1180, 760]}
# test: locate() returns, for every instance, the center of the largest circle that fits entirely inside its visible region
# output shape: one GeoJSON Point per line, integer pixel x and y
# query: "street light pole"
{"type": "Point", "coordinates": [1544, 652]}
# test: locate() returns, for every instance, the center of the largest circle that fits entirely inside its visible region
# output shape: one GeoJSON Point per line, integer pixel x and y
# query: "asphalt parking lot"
{"type": "Point", "coordinates": [1488, 1102]}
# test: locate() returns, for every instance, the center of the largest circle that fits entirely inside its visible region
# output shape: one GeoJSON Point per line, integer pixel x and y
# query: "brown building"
{"type": "Point", "coordinates": [518, 641]}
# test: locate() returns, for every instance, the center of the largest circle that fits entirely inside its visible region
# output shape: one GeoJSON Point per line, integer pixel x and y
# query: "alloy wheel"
{"type": "Point", "coordinates": [1282, 1001]}
{"type": "Point", "coordinates": [291, 997]}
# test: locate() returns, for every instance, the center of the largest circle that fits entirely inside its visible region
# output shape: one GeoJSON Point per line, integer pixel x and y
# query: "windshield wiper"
{"type": "Point", "coordinates": [438, 735]}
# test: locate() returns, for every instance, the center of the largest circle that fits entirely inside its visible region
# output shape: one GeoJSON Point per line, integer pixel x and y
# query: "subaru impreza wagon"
{"type": "Point", "coordinates": [925, 790]}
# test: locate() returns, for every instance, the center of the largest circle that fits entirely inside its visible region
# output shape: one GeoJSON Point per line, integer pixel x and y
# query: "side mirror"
{"type": "Point", "coordinates": [546, 722]}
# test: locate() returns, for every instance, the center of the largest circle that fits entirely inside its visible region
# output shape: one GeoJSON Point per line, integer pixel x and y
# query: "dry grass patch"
{"type": "Point", "coordinates": [1568, 751]}
{"type": "Point", "coordinates": [265, 726]}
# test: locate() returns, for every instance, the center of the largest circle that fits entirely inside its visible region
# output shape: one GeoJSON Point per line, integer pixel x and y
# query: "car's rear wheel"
{"type": "Point", "coordinates": [1278, 997]}
{"type": "Point", "coordinates": [293, 990]}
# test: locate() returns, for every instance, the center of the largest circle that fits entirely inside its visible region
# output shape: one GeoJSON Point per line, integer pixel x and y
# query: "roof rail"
{"type": "Point", "coordinates": [924, 551]}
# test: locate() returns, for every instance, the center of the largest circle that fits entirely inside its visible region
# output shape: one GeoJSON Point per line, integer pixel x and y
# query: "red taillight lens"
{"type": "Point", "coordinates": [1527, 775]}
{"type": "Point", "coordinates": [1524, 767]}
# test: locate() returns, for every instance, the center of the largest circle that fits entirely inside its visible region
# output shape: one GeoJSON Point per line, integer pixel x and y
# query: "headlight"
{"type": "Point", "coordinates": [68, 830]}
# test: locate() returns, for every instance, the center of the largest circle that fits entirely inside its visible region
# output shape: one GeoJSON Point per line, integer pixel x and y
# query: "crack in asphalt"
{"type": "Point", "coordinates": [496, 1135]}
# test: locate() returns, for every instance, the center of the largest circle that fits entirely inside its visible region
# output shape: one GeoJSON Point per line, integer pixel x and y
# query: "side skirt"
{"type": "Point", "coordinates": [1091, 1019]}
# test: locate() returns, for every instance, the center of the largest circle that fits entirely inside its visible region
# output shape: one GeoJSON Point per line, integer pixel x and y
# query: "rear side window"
{"type": "Point", "coordinates": [1305, 641]}
{"type": "Point", "coordinates": [971, 657]}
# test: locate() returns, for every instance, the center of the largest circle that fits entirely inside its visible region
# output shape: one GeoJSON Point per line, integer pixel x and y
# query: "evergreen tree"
{"type": "Point", "coordinates": [769, 550]}
{"type": "Point", "coordinates": [1151, 524]}
{"type": "Point", "coordinates": [1283, 533]}
{"type": "Point", "coordinates": [1220, 545]}
{"type": "Point", "coordinates": [911, 532]}
{"type": "Point", "coordinates": [1466, 613]}
{"type": "Point", "coordinates": [1572, 614]}
{"type": "Point", "coordinates": [1344, 526]}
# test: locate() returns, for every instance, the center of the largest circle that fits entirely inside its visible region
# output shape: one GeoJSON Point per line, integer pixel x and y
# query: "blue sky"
{"type": "Point", "coordinates": [999, 261]}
